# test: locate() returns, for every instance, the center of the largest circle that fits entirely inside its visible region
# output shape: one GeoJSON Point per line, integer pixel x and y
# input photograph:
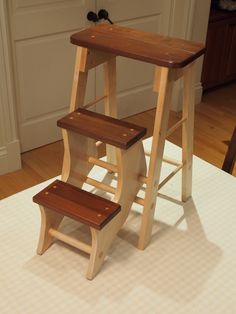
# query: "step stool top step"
{"type": "Point", "coordinates": [78, 204]}
{"type": "Point", "coordinates": [149, 47]}
{"type": "Point", "coordinates": [102, 128]}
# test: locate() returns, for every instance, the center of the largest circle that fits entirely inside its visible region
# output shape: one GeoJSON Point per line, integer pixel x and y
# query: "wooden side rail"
{"type": "Point", "coordinates": [71, 241]}
{"type": "Point", "coordinates": [94, 102]}
{"type": "Point", "coordinates": [102, 128]}
{"type": "Point", "coordinates": [75, 203]}
{"type": "Point", "coordinates": [175, 127]}
{"type": "Point", "coordinates": [103, 164]}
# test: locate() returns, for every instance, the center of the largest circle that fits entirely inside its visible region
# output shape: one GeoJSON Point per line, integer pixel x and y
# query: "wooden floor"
{"type": "Point", "coordinates": [214, 123]}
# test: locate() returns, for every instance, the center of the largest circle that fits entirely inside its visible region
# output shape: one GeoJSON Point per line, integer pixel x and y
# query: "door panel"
{"type": "Point", "coordinates": [35, 58]}
{"type": "Point", "coordinates": [31, 18]}
{"type": "Point", "coordinates": [122, 10]}
{"type": "Point", "coordinates": [44, 62]}
{"type": "Point", "coordinates": [134, 79]}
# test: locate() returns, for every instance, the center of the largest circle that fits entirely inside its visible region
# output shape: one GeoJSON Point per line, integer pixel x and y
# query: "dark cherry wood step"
{"type": "Point", "coordinates": [127, 42]}
{"type": "Point", "coordinates": [102, 128]}
{"type": "Point", "coordinates": [75, 203]}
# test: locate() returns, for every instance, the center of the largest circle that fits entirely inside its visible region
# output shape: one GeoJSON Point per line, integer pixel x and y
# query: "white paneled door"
{"type": "Point", "coordinates": [44, 60]}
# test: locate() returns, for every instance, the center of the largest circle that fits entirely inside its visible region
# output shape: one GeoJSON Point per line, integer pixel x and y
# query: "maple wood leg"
{"type": "Point", "coordinates": [101, 242]}
{"type": "Point", "coordinates": [187, 131]}
{"type": "Point", "coordinates": [164, 84]}
{"type": "Point", "coordinates": [49, 219]}
{"type": "Point", "coordinates": [110, 100]}
{"type": "Point", "coordinates": [79, 79]}
{"type": "Point", "coordinates": [131, 164]}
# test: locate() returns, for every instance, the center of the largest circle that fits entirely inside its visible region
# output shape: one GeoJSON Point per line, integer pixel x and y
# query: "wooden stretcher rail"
{"type": "Point", "coordinates": [101, 185]}
{"type": "Point", "coordinates": [160, 185]}
{"type": "Point", "coordinates": [143, 179]}
{"type": "Point", "coordinates": [171, 161]}
{"type": "Point", "coordinates": [166, 159]}
{"type": "Point", "coordinates": [71, 241]}
{"type": "Point", "coordinates": [139, 200]}
{"type": "Point", "coordinates": [110, 189]}
{"type": "Point", "coordinates": [175, 126]}
{"type": "Point", "coordinates": [103, 164]}
{"type": "Point", "coordinates": [91, 103]}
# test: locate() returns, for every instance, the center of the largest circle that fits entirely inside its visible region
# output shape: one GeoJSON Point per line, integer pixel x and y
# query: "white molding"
{"type": "Point", "coordinates": [182, 18]}
{"type": "Point", "coordinates": [178, 92]}
{"type": "Point", "coordinates": [198, 33]}
{"type": "Point", "coordinates": [189, 20]}
{"type": "Point", "coordinates": [3, 160]}
{"type": "Point", "coordinates": [10, 159]}
{"type": "Point", "coordinates": [198, 93]}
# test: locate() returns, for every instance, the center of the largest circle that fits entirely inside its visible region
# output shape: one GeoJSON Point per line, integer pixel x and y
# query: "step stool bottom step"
{"type": "Point", "coordinates": [61, 199]}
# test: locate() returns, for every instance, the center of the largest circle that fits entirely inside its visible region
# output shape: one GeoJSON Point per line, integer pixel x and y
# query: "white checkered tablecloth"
{"type": "Point", "coordinates": [189, 267]}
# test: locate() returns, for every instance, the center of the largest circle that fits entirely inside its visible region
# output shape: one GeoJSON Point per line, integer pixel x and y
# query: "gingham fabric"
{"type": "Point", "coordinates": [189, 267]}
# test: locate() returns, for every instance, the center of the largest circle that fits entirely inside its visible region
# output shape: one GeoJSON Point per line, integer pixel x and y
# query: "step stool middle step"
{"type": "Point", "coordinates": [102, 128]}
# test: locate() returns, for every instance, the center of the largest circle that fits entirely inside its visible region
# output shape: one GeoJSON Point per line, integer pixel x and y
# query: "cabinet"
{"type": "Point", "coordinates": [219, 65]}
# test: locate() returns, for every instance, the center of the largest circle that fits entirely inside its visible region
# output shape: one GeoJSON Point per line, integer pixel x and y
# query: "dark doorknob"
{"type": "Point", "coordinates": [92, 16]}
{"type": "Point", "coordinates": [103, 14]}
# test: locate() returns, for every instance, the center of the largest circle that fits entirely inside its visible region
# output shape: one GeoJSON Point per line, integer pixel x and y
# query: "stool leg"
{"type": "Point", "coordinates": [131, 164]}
{"type": "Point", "coordinates": [110, 101]}
{"type": "Point", "coordinates": [187, 131]}
{"type": "Point", "coordinates": [101, 242]}
{"type": "Point", "coordinates": [49, 219]}
{"type": "Point", "coordinates": [77, 100]}
{"type": "Point", "coordinates": [79, 79]}
{"type": "Point", "coordinates": [165, 85]}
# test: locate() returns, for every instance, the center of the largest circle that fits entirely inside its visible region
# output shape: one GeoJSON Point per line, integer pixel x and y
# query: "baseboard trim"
{"type": "Point", "coordinates": [10, 157]}
{"type": "Point", "coordinates": [198, 93]}
{"type": "Point", "coordinates": [178, 96]}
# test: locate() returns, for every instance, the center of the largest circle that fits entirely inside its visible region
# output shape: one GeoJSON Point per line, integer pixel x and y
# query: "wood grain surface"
{"type": "Point", "coordinates": [102, 128]}
{"type": "Point", "coordinates": [78, 204]}
{"type": "Point", "coordinates": [136, 44]}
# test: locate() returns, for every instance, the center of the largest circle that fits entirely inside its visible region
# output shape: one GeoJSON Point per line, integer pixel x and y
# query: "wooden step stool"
{"type": "Point", "coordinates": [81, 130]}
{"type": "Point", "coordinates": [173, 59]}
{"type": "Point", "coordinates": [61, 199]}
